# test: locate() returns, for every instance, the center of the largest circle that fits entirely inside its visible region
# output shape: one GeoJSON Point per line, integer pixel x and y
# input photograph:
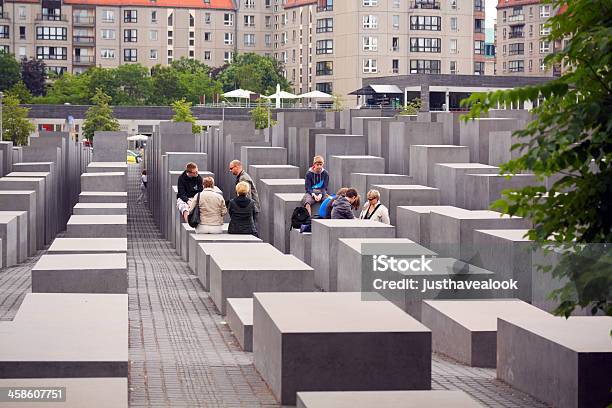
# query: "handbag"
{"type": "Point", "coordinates": [194, 215]}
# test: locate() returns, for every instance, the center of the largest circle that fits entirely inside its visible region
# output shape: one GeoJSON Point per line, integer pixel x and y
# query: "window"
{"type": "Point", "coordinates": [370, 43]}
{"type": "Point", "coordinates": [453, 23]}
{"type": "Point", "coordinates": [170, 19]}
{"type": "Point", "coordinates": [531, 48]}
{"type": "Point", "coordinates": [479, 25]}
{"type": "Point", "coordinates": [130, 16]}
{"type": "Point", "coordinates": [396, 20]}
{"type": "Point", "coordinates": [544, 29]}
{"type": "Point", "coordinates": [530, 65]}
{"type": "Point", "coordinates": [107, 34]}
{"type": "Point", "coordinates": [516, 49]}
{"type": "Point", "coordinates": [325, 25]}
{"type": "Point", "coordinates": [479, 47]}
{"type": "Point", "coordinates": [250, 4]}
{"type": "Point", "coordinates": [207, 18]}
{"type": "Point", "coordinates": [453, 4]}
{"type": "Point", "coordinates": [268, 40]}
{"type": "Point", "coordinates": [5, 48]}
{"type": "Point", "coordinates": [206, 55]}
{"type": "Point", "coordinates": [370, 21]}
{"type": "Point", "coordinates": [370, 3]}
{"type": "Point", "coordinates": [452, 46]}
{"type": "Point", "coordinates": [130, 35]}
{"type": "Point", "coordinates": [424, 66]}
{"type": "Point", "coordinates": [130, 55]}
{"type": "Point", "coordinates": [207, 36]}
{"type": "Point", "coordinates": [170, 33]}
{"type": "Point", "coordinates": [154, 18]}
{"type": "Point", "coordinates": [22, 12]}
{"type": "Point", "coordinates": [52, 53]}
{"type": "Point", "coordinates": [107, 53]}
{"type": "Point", "coordinates": [228, 38]}
{"type": "Point", "coordinates": [395, 66]}
{"type": "Point", "coordinates": [153, 54]}
{"type": "Point", "coordinates": [22, 52]}
{"type": "Point", "coordinates": [544, 47]}
{"type": "Point", "coordinates": [108, 16]}
{"type": "Point", "coordinates": [191, 21]}
{"type": "Point", "coordinates": [516, 66]}
{"type": "Point", "coordinates": [545, 11]}
{"type": "Point", "coordinates": [325, 68]}
{"type": "Point", "coordinates": [478, 5]}
{"type": "Point", "coordinates": [153, 35]}
{"type": "Point", "coordinates": [396, 3]}
{"type": "Point", "coordinates": [228, 19]}
{"type": "Point", "coordinates": [22, 32]}
{"type": "Point", "coordinates": [325, 47]}
{"type": "Point", "coordinates": [427, 23]}
{"type": "Point", "coordinates": [425, 45]}
{"type": "Point", "coordinates": [249, 21]}
{"type": "Point", "coordinates": [4, 31]}
{"type": "Point", "coordinates": [395, 44]}
{"type": "Point", "coordinates": [479, 68]}
{"type": "Point", "coordinates": [249, 40]}
{"type": "Point", "coordinates": [268, 21]}
{"type": "Point", "coordinates": [542, 65]}
{"type": "Point", "coordinates": [324, 87]}
{"type": "Point", "coordinates": [228, 56]}
{"type": "Point", "coordinates": [52, 33]}
{"type": "Point", "coordinates": [453, 67]}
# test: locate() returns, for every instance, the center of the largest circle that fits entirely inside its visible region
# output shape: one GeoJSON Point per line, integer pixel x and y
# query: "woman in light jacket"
{"type": "Point", "coordinates": [374, 210]}
{"type": "Point", "coordinates": [212, 209]}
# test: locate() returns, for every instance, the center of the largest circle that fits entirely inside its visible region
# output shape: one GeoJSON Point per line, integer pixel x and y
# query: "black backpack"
{"type": "Point", "coordinates": [299, 217]}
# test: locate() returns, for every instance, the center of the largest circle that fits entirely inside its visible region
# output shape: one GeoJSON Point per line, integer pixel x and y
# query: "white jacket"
{"type": "Point", "coordinates": [212, 207]}
{"type": "Point", "coordinates": [381, 214]}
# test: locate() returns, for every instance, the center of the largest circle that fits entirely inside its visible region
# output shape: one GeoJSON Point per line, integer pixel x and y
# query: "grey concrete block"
{"type": "Point", "coordinates": [270, 187]}
{"type": "Point", "coordinates": [100, 209]}
{"type": "Point", "coordinates": [9, 237]}
{"type": "Point", "coordinates": [110, 146]}
{"type": "Point", "coordinates": [481, 190]}
{"type": "Point", "coordinates": [328, 145]}
{"type": "Point", "coordinates": [17, 200]}
{"type": "Point", "coordinates": [304, 118]}
{"type": "Point", "coordinates": [80, 273]}
{"type": "Point", "coordinates": [412, 222]}
{"type": "Point", "coordinates": [231, 277]}
{"type": "Point", "coordinates": [240, 321]}
{"type": "Point", "coordinates": [302, 145]}
{"type": "Point", "coordinates": [272, 171]}
{"type": "Point", "coordinates": [450, 179]}
{"type": "Point", "coordinates": [185, 231]}
{"type": "Point", "coordinates": [297, 335]}
{"type": "Point", "coordinates": [66, 336]}
{"type": "Point", "coordinates": [97, 226]}
{"type": "Point", "coordinates": [42, 203]}
{"type": "Point", "coordinates": [196, 239]}
{"type": "Point", "coordinates": [475, 134]}
{"type": "Point", "coordinates": [6, 148]}
{"type": "Point", "coordinates": [452, 231]}
{"type": "Point", "coordinates": [406, 195]}
{"type": "Point", "coordinates": [378, 136]}
{"type": "Point", "coordinates": [299, 243]}
{"type": "Point", "coordinates": [324, 246]}
{"type": "Point", "coordinates": [500, 147]}
{"type": "Point", "coordinates": [104, 182]}
{"type": "Point", "coordinates": [466, 330]}
{"type": "Point", "coordinates": [363, 182]}
{"type": "Point", "coordinates": [386, 399]}
{"type": "Point", "coordinates": [103, 197]}
{"type": "Point", "coordinates": [340, 168]}
{"type": "Point", "coordinates": [353, 252]}
{"type": "Point", "coordinates": [284, 204]}
{"type": "Point", "coordinates": [423, 159]}
{"type": "Point", "coordinates": [88, 246]}
{"type": "Point", "coordinates": [251, 155]}
{"type": "Point", "coordinates": [21, 240]}
{"type": "Point", "coordinates": [107, 167]}
{"type": "Point", "coordinates": [563, 362]}
{"type": "Point", "coordinates": [402, 135]}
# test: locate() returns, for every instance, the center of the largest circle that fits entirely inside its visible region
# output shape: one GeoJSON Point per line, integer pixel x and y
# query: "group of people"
{"type": "Point", "coordinates": [344, 203]}
{"type": "Point", "coordinates": [193, 190]}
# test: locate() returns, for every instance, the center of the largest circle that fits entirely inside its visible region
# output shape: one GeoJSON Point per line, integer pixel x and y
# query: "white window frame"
{"type": "Point", "coordinates": [107, 53]}
{"type": "Point", "coordinates": [395, 21]}
{"type": "Point", "coordinates": [108, 16]}
{"type": "Point", "coordinates": [153, 54]}
{"type": "Point", "coordinates": [228, 19]}
{"type": "Point", "coordinates": [370, 22]}
{"type": "Point", "coordinates": [370, 3]}
{"type": "Point", "coordinates": [108, 34]}
{"type": "Point", "coordinates": [452, 46]}
{"type": "Point", "coordinates": [370, 43]}
{"type": "Point", "coordinates": [545, 11]}
{"type": "Point", "coordinates": [370, 66]}
{"type": "Point", "coordinates": [251, 40]}
{"type": "Point", "coordinates": [228, 38]}
{"type": "Point", "coordinates": [544, 29]}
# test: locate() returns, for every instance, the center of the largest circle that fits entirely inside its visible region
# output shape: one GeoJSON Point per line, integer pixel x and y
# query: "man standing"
{"type": "Point", "coordinates": [189, 184]}
{"type": "Point", "coordinates": [235, 167]}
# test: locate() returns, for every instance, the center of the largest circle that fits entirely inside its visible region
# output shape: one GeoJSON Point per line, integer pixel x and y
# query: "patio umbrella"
{"type": "Point", "coordinates": [138, 138]}
{"type": "Point", "coordinates": [279, 95]}
{"type": "Point", "coordinates": [316, 95]}
{"type": "Point", "coordinates": [238, 93]}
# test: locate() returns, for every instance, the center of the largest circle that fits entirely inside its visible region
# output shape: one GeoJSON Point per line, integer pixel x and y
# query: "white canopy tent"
{"type": "Point", "coordinates": [279, 95]}
{"type": "Point", "coordinates": [138, 138]}
{"type": "Point", "coordinates": [238, 93]}
{"type": "Point", "coordinates": [316, 95]}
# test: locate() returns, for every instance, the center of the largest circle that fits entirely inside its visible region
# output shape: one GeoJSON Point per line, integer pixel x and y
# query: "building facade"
{"type": "Point", "coordinates": [325, 45]}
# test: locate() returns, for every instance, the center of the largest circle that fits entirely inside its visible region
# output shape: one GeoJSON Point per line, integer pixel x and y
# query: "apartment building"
{"type": "Point", "coordinates": [520, 38]}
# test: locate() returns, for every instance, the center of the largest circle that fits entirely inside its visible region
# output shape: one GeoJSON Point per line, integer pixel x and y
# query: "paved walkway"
{"type": "Point", "coordinates": [182, 353]}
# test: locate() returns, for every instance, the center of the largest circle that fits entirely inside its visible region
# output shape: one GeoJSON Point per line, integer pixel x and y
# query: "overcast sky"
{"type": "Point", "coordinates": [491, 12]}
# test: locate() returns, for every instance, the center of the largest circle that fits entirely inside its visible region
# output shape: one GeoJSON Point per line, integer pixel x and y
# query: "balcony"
{"type": "Point", "coordinates": [80, 39]}
{"type": "Point", "coordinates": [425, 5]}
{"type": "Point", "coordinates": [83, 60]}
{"type": "Point", "coordinates": [51, 17]}
{"type": "Point", "coordinates": [516, 18]}
{"type": "Point", "coordinates": [83, 20]}
{"type": "Point", "coordinates": [516, 35]}
{"type": "Point", "coordinates": [329, 7]}
{"type": "Point", "coordinates": [4, 15]}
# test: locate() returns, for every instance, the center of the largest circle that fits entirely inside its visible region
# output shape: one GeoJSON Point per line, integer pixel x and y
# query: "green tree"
{"type": "Point", "coordinates": [99, 117]}
{"type": "Point", "coordinates": [135, 84]}
{"type": "Point", "coordinates": [182, 113]}
{"type": "Point", "coordinates": [68, 88]}
{"type": "Point", "coordinates": [104, 79]}
{"type": "Point", "coordinates": [260, 115]}
{"type": "Point", "coordinates": [570, 135]}
{"type": "Point", "coordinates": [254, 72]}
{"type": "Point", "coordinates": [167, 86]}
{"type": "Point", "coordinates": [9, 71]}
{"type": "Point", "coordinates": [16, 124]}
{"type": "Point", "coordinates": [21, 92]}
{"type": "Point", "coordinates": [34, 76]}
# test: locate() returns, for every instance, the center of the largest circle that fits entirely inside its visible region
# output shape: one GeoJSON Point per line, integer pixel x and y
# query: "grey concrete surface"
{"type": "Point", "coordinates": [385, 399]}
{"type": "Point", "coordinates": [423, 159]}
{"type": "Point", "coordinates": [340, 168]}
{"type": "Point", "coordinates": [100, 209]}
{"type": "Point", "coordinates": [450, 179]}
{"type": "Point", "coordinates": [88, 246]}
{"type": "Point", "coordinates": [394, 196]}
{"type": "Point", "coordinates": [97, 226]}
{"type": "Point", "coordinates": [240, 320]}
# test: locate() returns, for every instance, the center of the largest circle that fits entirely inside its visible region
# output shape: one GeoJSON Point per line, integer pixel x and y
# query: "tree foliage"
{"type": "Point", "coordinates": [9, 71]}
{"type": "Point", "coordinates": [260, 115]}
{"type": "Point", "coordinates": [15, 122]}
{"type": "Point", "coordinates": [99, 117]}
{"type": "Point", "coordinates": [21, 92]}
{"type": "Point", "coordinates": [182, 113]}
{"type": "Point", "coordinates": [254, 72]}
{"type": "Point", "coordinates": [34, 76]}
{"type": "Point", "coordinates": [570, 136]}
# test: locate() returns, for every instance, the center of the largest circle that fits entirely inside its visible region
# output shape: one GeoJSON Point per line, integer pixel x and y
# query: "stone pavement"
{"type": "Point", "coordinates": [182, 353]}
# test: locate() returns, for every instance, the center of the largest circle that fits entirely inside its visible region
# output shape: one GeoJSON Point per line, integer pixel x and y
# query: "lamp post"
{"type": "Point", "coordinates": [269, 112]}
{"type": "Point", "coordinates": [223, 111]}
{"type": "Point", "coordinates": [1, 124]}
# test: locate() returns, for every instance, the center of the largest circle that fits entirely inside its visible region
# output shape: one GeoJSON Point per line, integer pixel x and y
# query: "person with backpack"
{"type": "Point", "coordinates": [242, 212]}
{"type": "Point", "coordinates": [374, 210]}
{"type": "Point", "coordinates": [143, 187]}
{"type": "Point", "coordinates": [343, 205]}
{"type": "Point", "coordinates": [212, 209]}
{"type": "Point", "coordinates": [316, 183]}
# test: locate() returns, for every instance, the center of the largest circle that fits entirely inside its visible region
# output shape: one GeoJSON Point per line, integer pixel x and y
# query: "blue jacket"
{"type": "Point", "coordinates": [314, 181]}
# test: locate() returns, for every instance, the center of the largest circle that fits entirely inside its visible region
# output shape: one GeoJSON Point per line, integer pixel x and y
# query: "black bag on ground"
{"type": "Point", "coordinates": [299, 217]}
{"type": "Point", "coordinates": [194, 216]}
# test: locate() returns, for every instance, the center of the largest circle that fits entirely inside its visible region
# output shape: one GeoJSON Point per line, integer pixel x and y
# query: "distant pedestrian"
{"type": "Point", "coordinates": [374, 210]}
{"type": "Point", "coordinates": [143, 188]}
{"type": "Point", "coordinates": [242, 212]}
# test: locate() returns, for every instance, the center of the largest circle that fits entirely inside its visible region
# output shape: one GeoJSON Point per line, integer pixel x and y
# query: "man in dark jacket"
{"type": "Point", "coordinates": [189, 184]}
{"type": "Point", "coordinates": [316, 182]}
{"type": "Point", "coordinates": [235, 167]}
